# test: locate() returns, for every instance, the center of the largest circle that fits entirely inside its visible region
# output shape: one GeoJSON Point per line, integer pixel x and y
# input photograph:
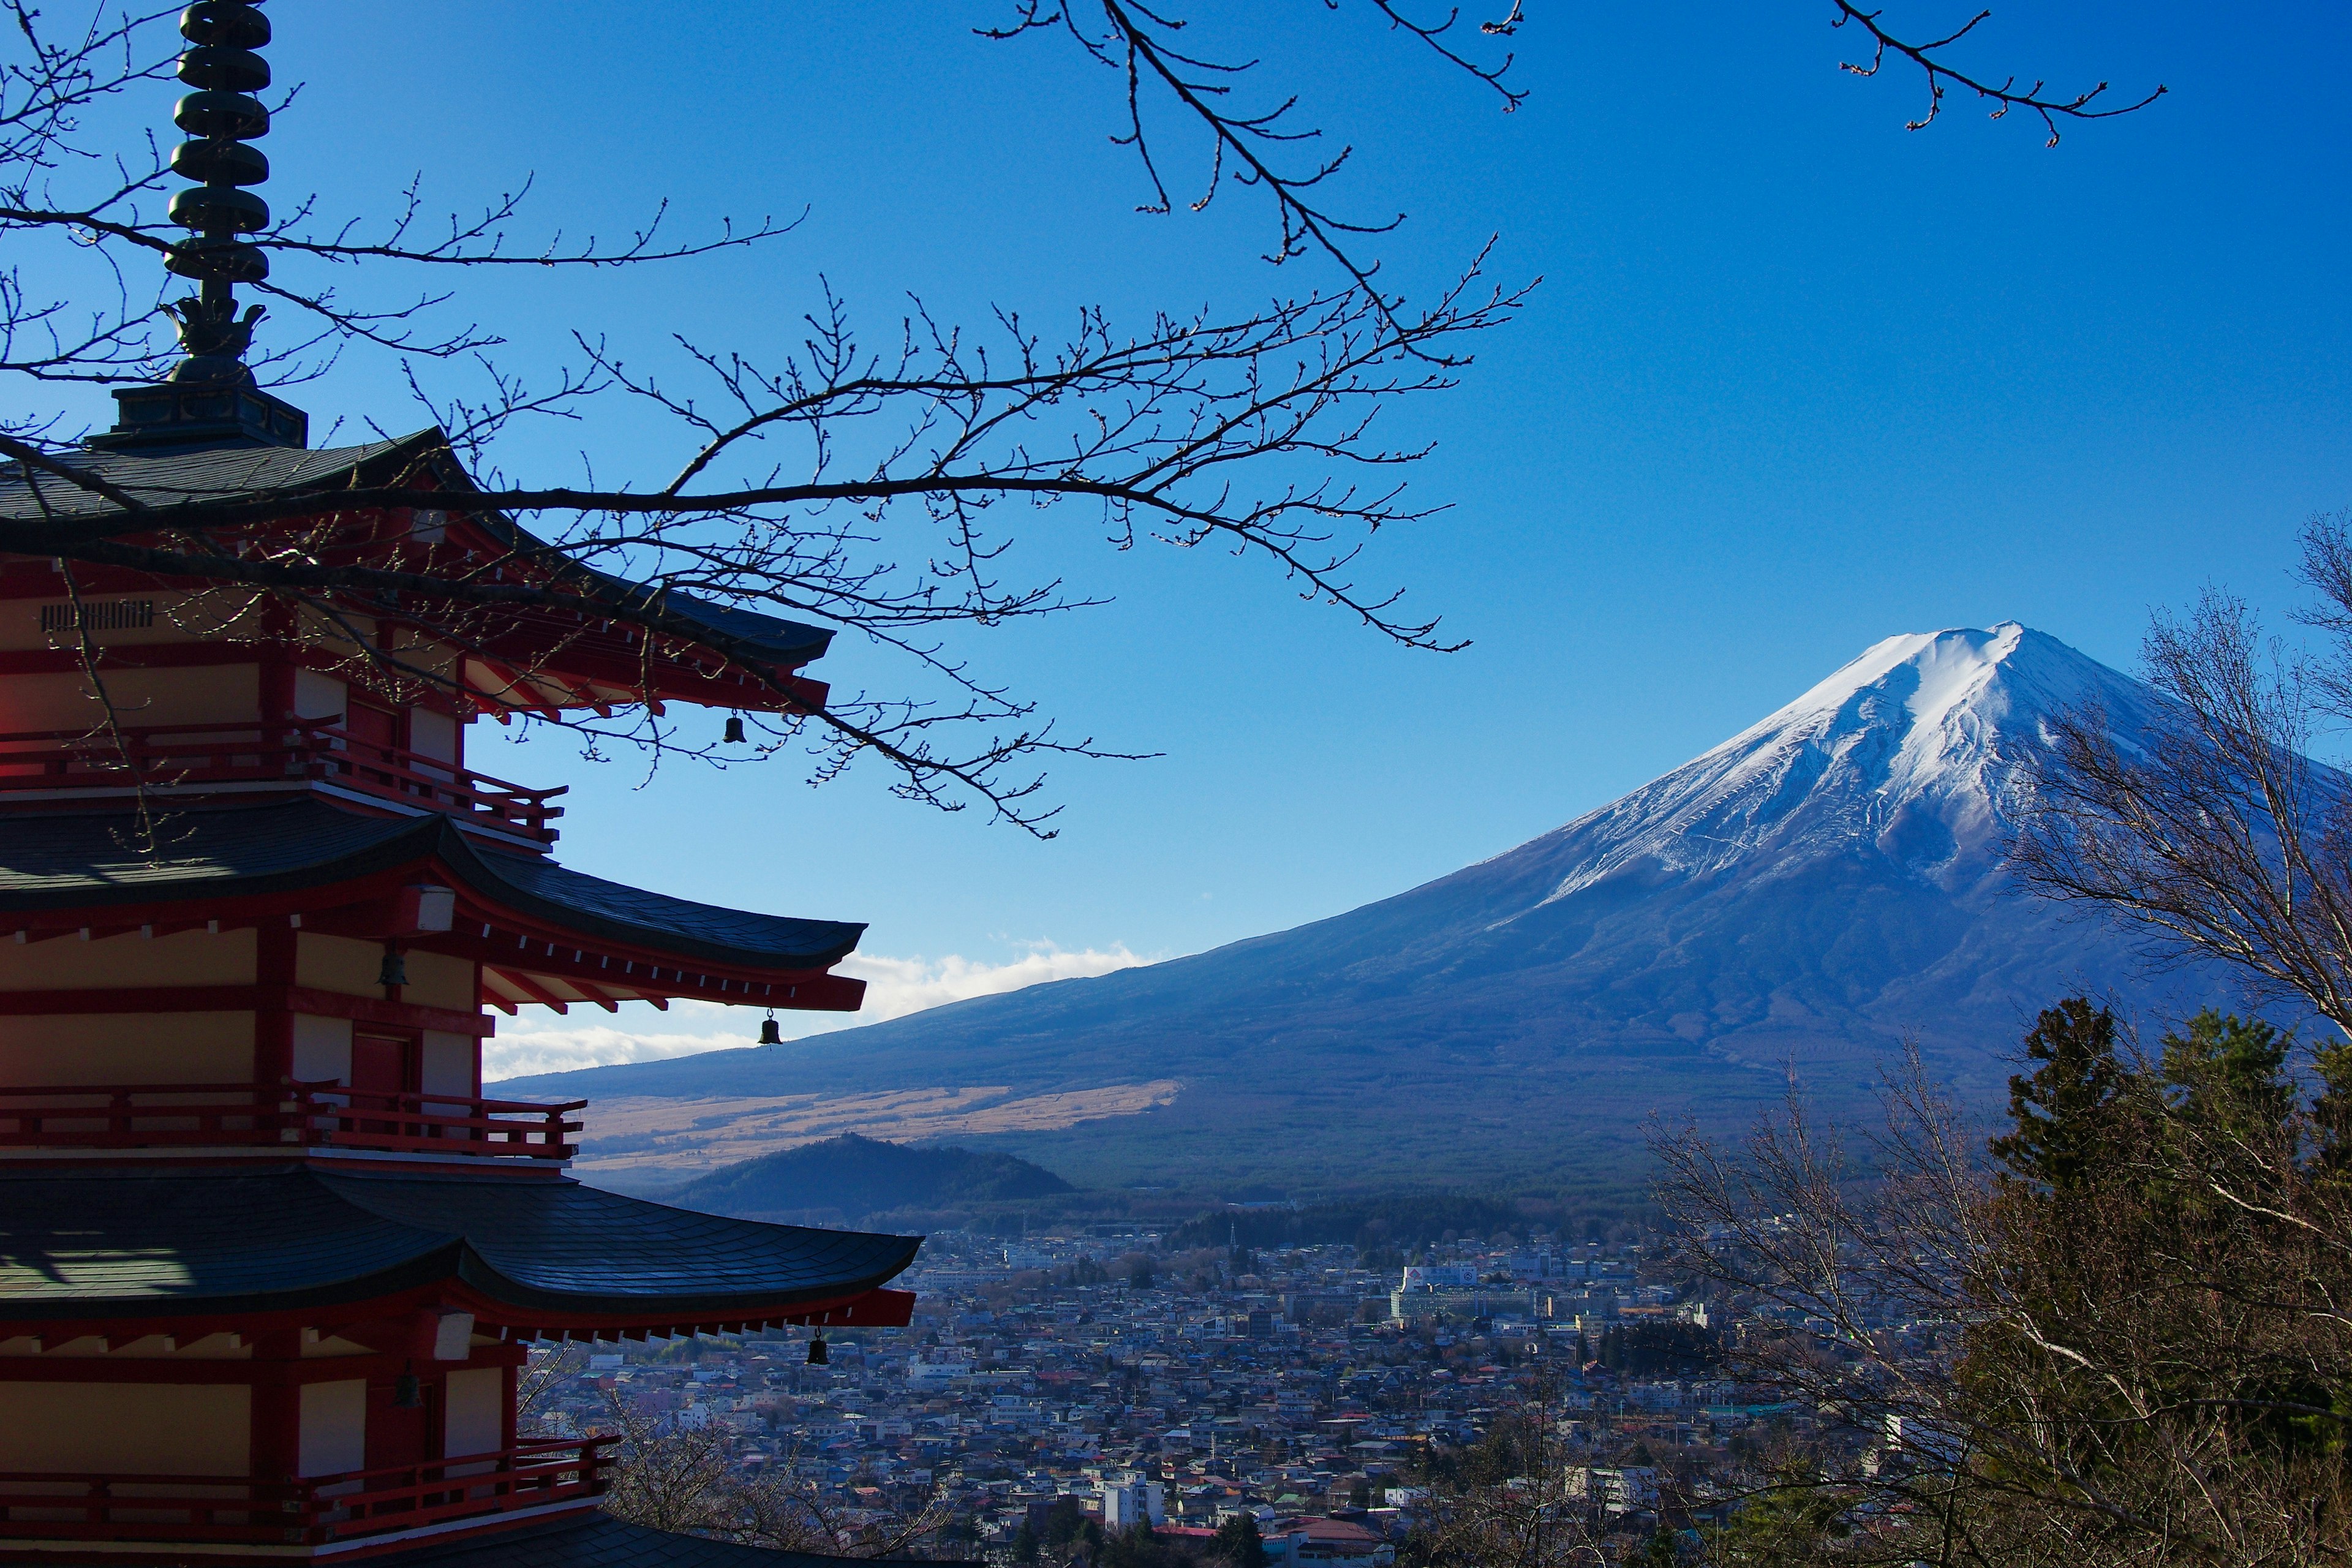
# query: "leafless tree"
{"type": "Point", "coordinates": [2210, 829]}
{"type": "Point", "coordinates": [1507, 1502]}
{"type": "Point", "coordinates": [1932, 60]}
{"type": "Point", "coordinates": [864, 479]}
{"type": "Point", "coordinates": [542, 1379]}
{"type": "Point", "coordinates": [684, 1477]}
{"type": "Point", "coordinates": [2119, 1372]}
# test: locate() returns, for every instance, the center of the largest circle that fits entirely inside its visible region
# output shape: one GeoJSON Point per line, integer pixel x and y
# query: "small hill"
{"type": "Point", "coordinates": [851, 1177]}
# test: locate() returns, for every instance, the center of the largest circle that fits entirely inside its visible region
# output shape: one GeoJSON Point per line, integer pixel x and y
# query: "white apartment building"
{"type": "Point", "coordinates": [1614, 1490]}
{"type": "Point", "coordinates": [1130, 1499]}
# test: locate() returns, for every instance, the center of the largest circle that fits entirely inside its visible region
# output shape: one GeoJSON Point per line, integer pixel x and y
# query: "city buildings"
{"type": "Point", "coordinates": [1018, 1395]}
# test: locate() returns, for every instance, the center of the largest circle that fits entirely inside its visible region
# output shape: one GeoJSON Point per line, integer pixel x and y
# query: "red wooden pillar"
{"type": "Point", "coordinates": [276, 1414]}
{"type": "Point", "coordinates": [273, 1018]}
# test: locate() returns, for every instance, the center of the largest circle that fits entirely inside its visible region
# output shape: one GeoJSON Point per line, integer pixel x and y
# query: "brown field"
{"type": "Point", "coordinates": [687, 1137]}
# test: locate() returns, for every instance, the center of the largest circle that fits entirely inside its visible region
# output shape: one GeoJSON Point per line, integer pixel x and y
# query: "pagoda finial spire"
{"type": "Point", "coordinates": [210, 398]}
{"type": "Point", "coordinates": [221, 116]}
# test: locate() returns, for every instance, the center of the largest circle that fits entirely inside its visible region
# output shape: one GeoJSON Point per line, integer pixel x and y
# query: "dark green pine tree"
{"type": "Point", "coordinates": [1239, 1543]}
{"type": "Point", "coordinates": [1024, 1543]}
{"type": "Point", "coordinates": [2065, 1108]}
{"type": "Point", "coordinates": [2229, 1073]}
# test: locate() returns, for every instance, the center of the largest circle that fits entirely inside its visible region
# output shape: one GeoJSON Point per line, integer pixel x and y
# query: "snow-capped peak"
{"type": "Point", "coordinates": [1913, 747]}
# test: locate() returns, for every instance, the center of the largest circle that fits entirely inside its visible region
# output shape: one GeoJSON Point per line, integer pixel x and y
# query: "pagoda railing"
{"type": "Point", "coordinates": [194, 757]}
{"type": "Point", "coordinates": [314, 1511]}
{"type": "Point", "coordinates": [293, 1115]}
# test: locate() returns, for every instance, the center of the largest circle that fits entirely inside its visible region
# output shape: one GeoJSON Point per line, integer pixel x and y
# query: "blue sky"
{"type": "Point", "coordinates": [1796, 380]}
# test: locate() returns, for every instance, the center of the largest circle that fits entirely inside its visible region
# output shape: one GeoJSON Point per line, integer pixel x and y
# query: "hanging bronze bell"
{"type": "Point", "coordinates": [407, 1394]}
{"type": "Point", "coordinates": [820, 1353]}
{"type": "Point", "coordinates": [734, 736]}
{"type": "Point", "coordinates": [768, 1034]}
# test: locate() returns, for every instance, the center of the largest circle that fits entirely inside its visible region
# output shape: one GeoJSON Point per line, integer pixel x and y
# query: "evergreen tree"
{"type": "Point", "coordinates": [2065, 1109]}
{"type": "Point", "coordinates": [1064, 1520]}
{"type": "Point", "coordinates": [2228, 1073]}
{"type": "Point", "coordinates": [1239, 1543]}
{"type": "Point", "coordinates": [1026, 1543]}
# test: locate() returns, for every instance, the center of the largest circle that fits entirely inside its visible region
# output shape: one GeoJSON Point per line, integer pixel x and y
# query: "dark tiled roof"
{"type": "Point", "coordinates": [205, 474]}
{"type": "Point", "coordinates": [608, 1542]}
{"type": "Point", "coordinates": [226, 473]}
{"type": "Point", "coordinates": [83, 860]}
{"type": "Point", "coordinates": [192, 1243]}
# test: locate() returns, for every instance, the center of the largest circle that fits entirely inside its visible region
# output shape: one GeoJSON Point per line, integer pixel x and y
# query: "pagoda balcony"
{"type": "Point", "coordinates": [293, 1116]}
{"type": "Point", "coordinates": [315, 1512]}
{"type": "Point", "coordinates": [240, 758]}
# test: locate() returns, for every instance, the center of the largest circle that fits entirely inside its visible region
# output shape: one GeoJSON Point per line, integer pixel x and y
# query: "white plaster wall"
{"type": "Point", "coordinates": [437, 980]}
{"type": "Point", "coordinates": [174, 1429]}
{"type": "Point", "coordinates": [334, 1428]}
{"type": "Point", "coordinates": [337, 964]}
{"type": "Point", "coordinates": [447, 1067]}
{"type": "Point", "coordinates": [318, 696]}
{"type": "Point", "coordinates": [323, 1049]}
{"type": "Point", "coordinates": [432, 734]}
{"type": "Point", "coordinates": [218, 694]}
{"type": "Point", "coordinates": [350, 966]}
{"type": "Point", "coordinates": [475, 1401]}
{"type": "Point", "coordinates": [69, 963]}
{"type": "Point", "coordinates": [127, 1048]}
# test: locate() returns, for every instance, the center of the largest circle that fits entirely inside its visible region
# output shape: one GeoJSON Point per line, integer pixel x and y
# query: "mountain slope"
{"type": "Point", "coordinates": [1815, 889]}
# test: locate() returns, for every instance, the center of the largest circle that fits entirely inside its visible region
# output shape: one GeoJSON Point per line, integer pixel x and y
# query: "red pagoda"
{"type": "Point", "coordinates": [269, 1258]}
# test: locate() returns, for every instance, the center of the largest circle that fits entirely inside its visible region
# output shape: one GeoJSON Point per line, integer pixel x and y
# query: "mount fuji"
{"type": "Point", "coordinates": [1816, 889]}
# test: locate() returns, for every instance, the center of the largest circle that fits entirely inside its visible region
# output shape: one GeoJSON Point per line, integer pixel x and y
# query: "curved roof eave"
{"type": "Point", "coordinates": [155, 1244]}
{"type": "Point", "coordinates": [72, 861]}
{"type": "Point", "coordinates": [228, 473]}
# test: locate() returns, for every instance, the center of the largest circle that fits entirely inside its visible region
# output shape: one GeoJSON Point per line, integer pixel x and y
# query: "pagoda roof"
{"type": "Point", "coordinates": [150, 1246]}
{"type": "Point", "coordinates": [67, 862]}
{"type": "Point", "coordinates": [176, 477]}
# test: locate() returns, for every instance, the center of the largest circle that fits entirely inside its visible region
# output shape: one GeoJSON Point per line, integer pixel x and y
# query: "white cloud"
{"type": "Point", "coordinates": [539, 1041]}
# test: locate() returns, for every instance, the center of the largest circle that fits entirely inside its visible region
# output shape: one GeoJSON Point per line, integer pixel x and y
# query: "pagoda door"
{"type": "Point", "coordinates": [399, 1440]}
{"type": "Point", "coordinates": [375, 732]}
{"type": "Point", "coordinates": [384, 1070]}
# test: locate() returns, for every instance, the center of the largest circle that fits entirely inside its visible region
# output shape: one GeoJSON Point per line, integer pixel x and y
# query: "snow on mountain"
{"type": "Point", "coordinates": [1815, 891]}
{"type": "Point", "coordinates": [1913, 747]}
